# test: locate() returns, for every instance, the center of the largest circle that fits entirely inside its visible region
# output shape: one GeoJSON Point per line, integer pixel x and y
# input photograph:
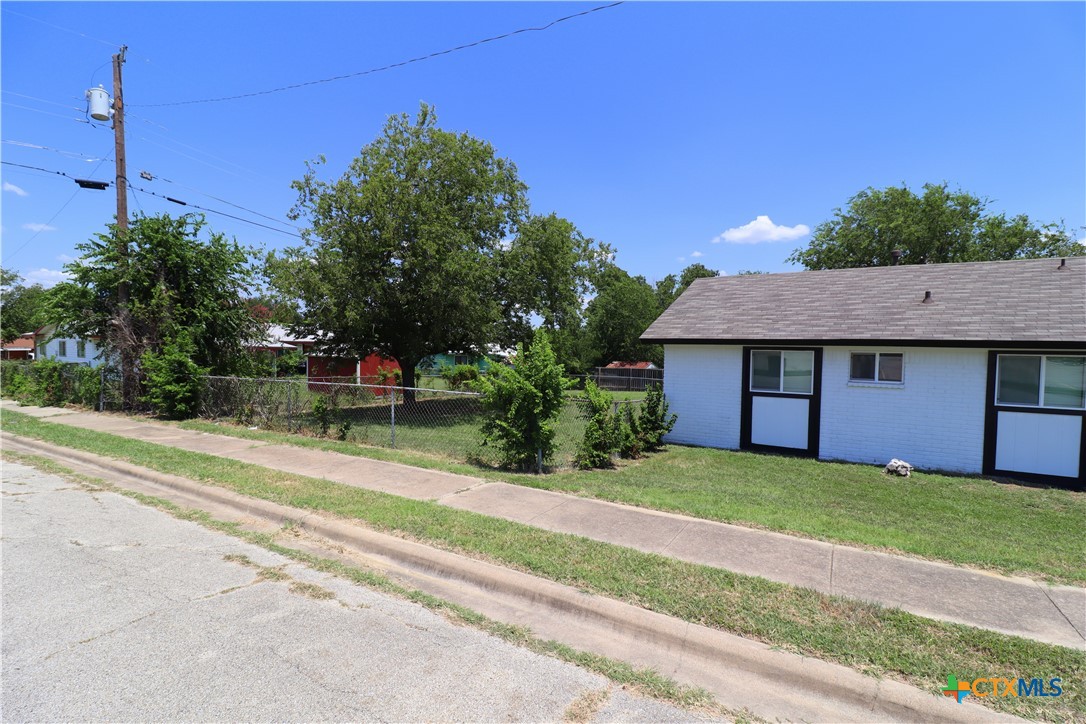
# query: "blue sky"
{"type": "Point", "coordinates": [677, 132]}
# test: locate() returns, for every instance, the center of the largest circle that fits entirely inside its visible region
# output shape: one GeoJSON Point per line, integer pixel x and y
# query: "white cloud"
{"type": "Point", "coordinates": [64, 258]}
{"type": "Point", "coordinates": [39, 227]}
{"type": "Point", "coordinates": [14, 189]}
{"type": "Point", "coordinates": [760, 230]}
{"type": "Point", "coordinates": [46, 277]}
{"type": "Point", "coordinates": [696, 254]}
{"type": "Point", "coordinates": [1082, 241]}
{"type": "Point", "coordinates": [680, 258]}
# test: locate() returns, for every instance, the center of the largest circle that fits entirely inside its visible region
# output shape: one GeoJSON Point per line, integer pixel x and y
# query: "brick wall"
{"type": "Point", "coordinates": [934, 419]}
{"type": "Point", "coordinates": [702, 385]}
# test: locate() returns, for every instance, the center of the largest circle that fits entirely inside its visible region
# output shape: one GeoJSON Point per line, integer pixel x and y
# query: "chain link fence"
{"type": "Point", "coordinates": [56, 384]}
{"type": "Point", "coordinates": [435, 421]}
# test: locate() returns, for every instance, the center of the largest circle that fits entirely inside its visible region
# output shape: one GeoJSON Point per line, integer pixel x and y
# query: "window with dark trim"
{"type": "Point", "coordinates": [1032, 380]}
{"type": "Point", "coordinates": [81, 348]}
{"type": "Point", "coordinates": [789, 371]}
{"type": "Point", "coordinates": [62, 348]}
{"type": "Point", "coordinates": [876, 367]}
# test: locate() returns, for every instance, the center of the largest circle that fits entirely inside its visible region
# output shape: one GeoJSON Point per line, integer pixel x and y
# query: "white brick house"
{"type": "Point", "coordinates": [975, 368]}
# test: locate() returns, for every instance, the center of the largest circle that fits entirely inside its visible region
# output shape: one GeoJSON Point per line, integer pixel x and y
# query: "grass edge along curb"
{"type": "Point", "coordinates": [1038, 527]}
{"type": "Point", "coordinates": [645, 681]}
{"type": "Point", "coordinates": [873, 640]}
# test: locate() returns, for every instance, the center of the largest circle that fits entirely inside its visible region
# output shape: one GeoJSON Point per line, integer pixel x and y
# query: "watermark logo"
{"type": "Point", "coordinates": [999, 686]}
{"type": "Point", "coordinates": [955, 689]}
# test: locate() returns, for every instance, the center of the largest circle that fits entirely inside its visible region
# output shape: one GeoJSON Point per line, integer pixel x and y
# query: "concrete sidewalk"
{"type": "Point", "coordinates": [1017, 606]}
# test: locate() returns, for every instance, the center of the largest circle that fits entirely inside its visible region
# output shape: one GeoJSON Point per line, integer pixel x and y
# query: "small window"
{"type": "Point", "coordinates": [80, 349]}
{"type": "Point", "coordinates": [1041, 381]}
{"type": "Point", "coordinates": [62, 348]}
{"type": "Point", "coordinates": [876, 367]}
{"type": "Point", "coordinates": [782, 371]}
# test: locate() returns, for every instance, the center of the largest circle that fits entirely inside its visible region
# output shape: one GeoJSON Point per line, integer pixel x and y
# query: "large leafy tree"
{"type": "Point", "coordinates": [936, 226]}
{"type": "Point", "coordinates": [550, 268]}
{"type": "Point", "coordinates": [621, 311]}
{"type": "Point", "coordinates": [21, 306]}
{"type": "Point", "coordinates": [404, 252]}
{"type": "Point", "coordinates": [181, 282]}
{"type": "Point", "coordinates": [670, 287]}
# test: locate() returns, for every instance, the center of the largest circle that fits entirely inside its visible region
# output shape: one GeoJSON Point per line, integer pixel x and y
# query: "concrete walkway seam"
{"type": "Point", "coordinates": [878, 699]}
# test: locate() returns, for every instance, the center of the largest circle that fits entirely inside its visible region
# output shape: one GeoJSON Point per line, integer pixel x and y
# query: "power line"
{"type": "Point", "coordinates": [61, 209]}
{"type": "Point", "coordinates": [47, 113]}
{"type": "Point", "coordinates": [224, 201]}
{"type": "Point", "coordinates": [69, 154]}
{"type": "Point", "coordinates": [42, 100]}
{"type": "Point", "coordinates": [161, 196]}
{"type": "Point", "coordinates": [387, 67]}
{"type": "Point", "coordinates": [67, 30]}
{"type": "Point", "coordinates": [214, 211]}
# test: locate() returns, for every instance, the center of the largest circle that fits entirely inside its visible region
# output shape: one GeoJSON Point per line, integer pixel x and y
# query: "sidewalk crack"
{"type": "Point", "coordinates": [1055, 605]}
{"type": "Point", "coordinates": [833, 555]}
{"type": "Point", "coordinates": [677, 534]}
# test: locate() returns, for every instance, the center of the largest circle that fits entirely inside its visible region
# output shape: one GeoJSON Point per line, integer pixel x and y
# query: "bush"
{"type": "Point", "coordinates": [522, 403]}
{"type": "Point", "coordinates": [460, 377]}
{"type": "Point", "coordinates": [324, 409]}
{"type": "Point", "coordinates": [654, 421]}
{"type": "Point", "coordinates": [49, 388]}
{"type": "Point", "coordinates": [172, 380]}
{"type": "Point", "coordinates": [86, 384]}
{"type": "Point", "coordinates": [599, 434]}
{"type": "Point", "coordinates": [16, 381]}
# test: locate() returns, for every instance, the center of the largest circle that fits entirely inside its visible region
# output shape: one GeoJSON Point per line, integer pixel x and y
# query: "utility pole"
{"type": "Point", "coordinates": [123, 328]}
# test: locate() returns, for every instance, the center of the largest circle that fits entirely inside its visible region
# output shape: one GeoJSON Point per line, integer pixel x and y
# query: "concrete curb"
{"type": "Point", "coordinates": [740, 672]}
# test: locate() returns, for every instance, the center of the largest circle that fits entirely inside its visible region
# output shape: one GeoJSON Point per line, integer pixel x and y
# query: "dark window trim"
{"type": "Point", "coordinates": [991, 420]}
{"type": "Point", "coordinates": [875, 379]}
{"type": "Point", "coordinates": [781, 392]}
{"type": "Point", "coordinates": [814, 407]}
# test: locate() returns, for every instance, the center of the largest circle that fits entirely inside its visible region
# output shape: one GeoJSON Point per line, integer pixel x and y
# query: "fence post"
{"type": "Point", "coordinates": [392, 397]}
{"type": "Point", "coordinates": [101, 388]}
{"type": "Point", "coordinates": [290, 409]}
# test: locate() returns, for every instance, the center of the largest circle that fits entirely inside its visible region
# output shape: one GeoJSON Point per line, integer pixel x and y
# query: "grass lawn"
{"type": "Point", "coordinates": [874, 640]}
{"type": "Point", "coordinates": [1008, 528]}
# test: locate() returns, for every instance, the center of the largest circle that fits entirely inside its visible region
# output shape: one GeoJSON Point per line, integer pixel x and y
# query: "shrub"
{"type": "Point", "coordinates": [522, 403]}
{"type": "Point", "coordinates": [16, 381]}
{"type": "Point", "coordinates": [86, 385]}
{"type": "Point", "coordinates": [654, 421]}
{"type": "Point", "coordinates": [172, 380]}
{"type": "Point", "coordinates": [629, 437]}
{"type": "Point", "coordinates": [344, 430]}
{"type": "Point", "coordinates": [460, 377]}
{"type": "Point", "coordinates": [49, 387]}
{"type": "Point", "coordinates": [323, 411]}
{"type": "Point", "coordinates": [389, 375]}
{"type": "Point", "coordinates": [599, 434]}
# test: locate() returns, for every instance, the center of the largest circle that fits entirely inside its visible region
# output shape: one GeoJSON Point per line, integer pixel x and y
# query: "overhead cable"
{"type": "Point", "coordinates": [402, 63]}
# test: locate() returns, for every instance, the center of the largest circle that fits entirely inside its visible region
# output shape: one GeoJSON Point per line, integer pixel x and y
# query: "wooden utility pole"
{"type": "Point", "coordinates": [122, 326]}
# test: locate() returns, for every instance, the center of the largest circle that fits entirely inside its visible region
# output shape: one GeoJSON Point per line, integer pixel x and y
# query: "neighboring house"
{"type": "Point", "coordinates": [66, 349]}
{"type": "Point", "coordinates": [20, 348]}
{"type": "Point", "coordinates": [631, 366]}
{"type": "Point", "coordinates": [976, 367]}
{"type": "Point", "coordinates": [437, 361]}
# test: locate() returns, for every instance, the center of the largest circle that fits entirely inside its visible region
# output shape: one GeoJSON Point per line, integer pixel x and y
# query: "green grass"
{"type": "Point", "coordinates": [1008, 528]}
{"type": "Point", "coordinates": [871, 639]}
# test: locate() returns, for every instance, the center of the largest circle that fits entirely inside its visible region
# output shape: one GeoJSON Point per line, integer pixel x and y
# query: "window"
{"type": "Point", "coordinates": [876, 367]}
{"type": "Point", "coordinates": [1041, 380]}
{"type": "Point", "coordinates": [62, 348]}
{"type": "Point", "coordinates": [782, 371]}
{"type": "Point", "coordinates": [81, 349]}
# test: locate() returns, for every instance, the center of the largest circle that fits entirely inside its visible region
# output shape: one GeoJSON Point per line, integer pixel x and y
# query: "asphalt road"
{"type": "Point", "coordinates": [116, 611]}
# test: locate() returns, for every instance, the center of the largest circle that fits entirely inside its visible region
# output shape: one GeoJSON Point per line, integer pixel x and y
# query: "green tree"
{"type": "Point", "coordinates": [403, 251]}
{"type": "Point", "coordinates": [670, 287]}
{"type": "Point", "coordinates": [178, 282]}
{"type": "Point", "coordinates": [937, 226]}
{"type": "Point", "coordinates": [621, 311]}
{"type": "Point", "coordinates": [523, 402]}
{"type": "Point", "coordinates": [21, 306]}
{"type": "Point", "coordinates": [172, 379]}
{"type": "Point", "coordinates": [549, 268]}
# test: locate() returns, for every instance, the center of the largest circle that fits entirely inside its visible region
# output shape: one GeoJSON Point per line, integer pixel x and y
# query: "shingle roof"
{"type": "Point", "coordinates": [1018, 302]}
